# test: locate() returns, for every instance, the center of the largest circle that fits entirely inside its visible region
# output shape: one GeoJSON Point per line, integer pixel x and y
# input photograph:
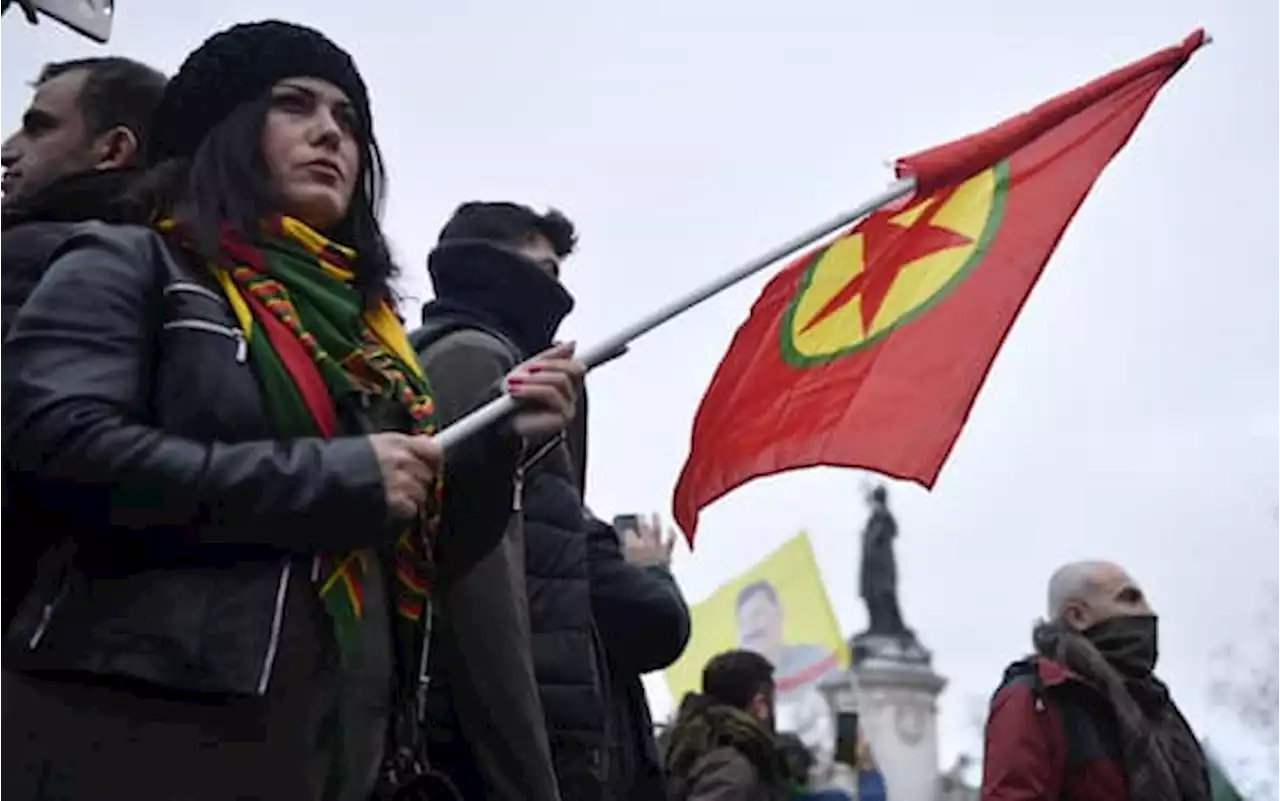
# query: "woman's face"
{"type": "Point", "coordinates": [309, 144]}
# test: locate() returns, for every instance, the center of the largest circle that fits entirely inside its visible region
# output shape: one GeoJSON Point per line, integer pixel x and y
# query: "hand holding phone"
{"type": "Point", "coordinates": [642, 541]}
{"type": "Point", "coordinates": [626, 523]}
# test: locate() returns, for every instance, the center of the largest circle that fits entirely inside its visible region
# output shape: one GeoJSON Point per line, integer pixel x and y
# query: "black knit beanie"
{"type": "Point", "coordinates": [237, 65]}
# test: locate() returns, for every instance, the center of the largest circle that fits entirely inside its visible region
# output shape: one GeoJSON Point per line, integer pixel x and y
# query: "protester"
{"type": "Point", "coordinates": [722, 747]}
{"type": "Point", "coordinates": [69, 162]}
{"type": "Point", "coordinates": [798, 763]}
{"type": "Point", "coordinates": [496, 278]}
{"type": "Point", "coordinates": [1085, 718]}
{"type": "Point", "coordinates": [644, 624]}
{"type": "Point", "coordinates": [76, 151]}
{"type": "Point", "coordinates": [227, 419]}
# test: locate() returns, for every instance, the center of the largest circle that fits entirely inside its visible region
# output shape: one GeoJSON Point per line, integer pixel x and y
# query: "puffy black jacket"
{"type": "Point", "coordinates": [644, 624]}
{"type": "Point", "coordinates": [567, 655]}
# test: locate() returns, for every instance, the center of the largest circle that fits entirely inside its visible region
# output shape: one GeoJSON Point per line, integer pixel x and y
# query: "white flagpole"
{"type": "Point", "coordinates": [616, 345]}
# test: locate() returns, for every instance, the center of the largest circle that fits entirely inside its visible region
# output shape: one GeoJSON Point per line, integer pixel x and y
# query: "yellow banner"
{"type": "Point", "coordinates": [780, 609]}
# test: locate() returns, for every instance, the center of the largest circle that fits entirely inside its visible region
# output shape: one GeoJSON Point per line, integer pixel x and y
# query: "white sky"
{"type": "Point", "coordinates": [1133, 412]}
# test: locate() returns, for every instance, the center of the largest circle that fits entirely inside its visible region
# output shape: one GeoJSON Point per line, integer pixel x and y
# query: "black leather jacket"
{"type": "Point", "coordinates": [134, 429]}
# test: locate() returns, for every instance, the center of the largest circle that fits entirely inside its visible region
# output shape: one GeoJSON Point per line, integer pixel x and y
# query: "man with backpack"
{"type": "Point", "coordinates": [1085, 718]}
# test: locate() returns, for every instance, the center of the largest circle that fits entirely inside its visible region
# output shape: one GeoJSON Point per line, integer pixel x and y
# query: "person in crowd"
{"type": "Point", "coordinates": [723, 747]}
{"type": "Point", "coordinates": [798, 762]}
{"type": "Point", "coordinates": [1085, 717]}
{"type": "Point", "coordinates": [78, 147]}
{"type": "Point", "coordinates": [76, 150]}
{"type": "Point", "coordinates": [644, 624]}
{"type": "Point", "coordinates": [498, 297]}
{"type": "Point", "coordinates": [224, 413]}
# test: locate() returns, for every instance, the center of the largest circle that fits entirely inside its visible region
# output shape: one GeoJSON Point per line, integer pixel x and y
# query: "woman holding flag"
{"type": "Point", "coordinates": [222, 416]}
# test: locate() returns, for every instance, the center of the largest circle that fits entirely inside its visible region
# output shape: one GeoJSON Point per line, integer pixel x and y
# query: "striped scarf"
{"type": "Point", "coordinates": [311, 342]}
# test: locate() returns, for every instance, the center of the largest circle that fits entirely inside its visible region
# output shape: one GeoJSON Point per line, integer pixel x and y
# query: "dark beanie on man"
{"type": "Point", "coordinates": [238, 65]}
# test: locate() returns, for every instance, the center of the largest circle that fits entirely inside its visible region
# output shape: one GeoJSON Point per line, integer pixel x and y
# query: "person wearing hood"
{"type": "Point", "coordinates": [222, 411]}
{"type": "Point", "coordinates": [723, 746]}
{"type": "Point", "coordinates": [70, 161]}
{"type": "Point", "coordinates": [498, 301]}
{"type": "Point", "coordinates": [1085, 717]}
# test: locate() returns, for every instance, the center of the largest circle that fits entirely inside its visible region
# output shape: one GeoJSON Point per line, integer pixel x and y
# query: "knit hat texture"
{"type": "Point", "coordinates": [238, 65]}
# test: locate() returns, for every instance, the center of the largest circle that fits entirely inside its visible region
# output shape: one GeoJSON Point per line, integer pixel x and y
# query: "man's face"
{"type": "Point", "coordinates": [760, 626]}
{"type": "Point", "coordinates": [53, 141]}
{"type": "Point", "coordinates": [761, 707]}
{"type": "Point", "coordinates": [538, 249]}
{"type": "Point", "coordinates": [1115, 594]}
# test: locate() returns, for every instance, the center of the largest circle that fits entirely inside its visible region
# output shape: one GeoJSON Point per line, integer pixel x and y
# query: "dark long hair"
{"type": "Point", "coordinates": [227, 183]}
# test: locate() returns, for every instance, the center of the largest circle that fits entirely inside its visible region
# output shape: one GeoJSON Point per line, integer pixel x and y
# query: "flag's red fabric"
{"type": "Point", "coordinates": [869, 352]}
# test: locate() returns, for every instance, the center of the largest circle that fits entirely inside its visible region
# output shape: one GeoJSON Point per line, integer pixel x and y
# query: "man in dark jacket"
{"type": "Point", "coordinates": [1085, 718]}
{"type": "Point", "coordinates": [722, 747]}
{"type": "Point", "coordinates": [496, 275]}
{"type": "Point", "coordinates": [644, 623]}
{"type": "Point", "coordinates": [68, 163]}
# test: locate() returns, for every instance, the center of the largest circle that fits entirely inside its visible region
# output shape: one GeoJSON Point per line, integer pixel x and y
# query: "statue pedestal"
{"type": "Point", "coordinates": [897, 694]}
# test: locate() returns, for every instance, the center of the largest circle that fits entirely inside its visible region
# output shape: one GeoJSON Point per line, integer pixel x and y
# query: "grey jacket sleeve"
{"type": "Point", "coordinates": [465, 370]}
{"type": "Point", "coordinates": [494, 693]}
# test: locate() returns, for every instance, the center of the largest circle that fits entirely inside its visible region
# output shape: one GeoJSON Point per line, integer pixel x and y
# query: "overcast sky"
{"type": "Point", "coordinates": [1132, 414]}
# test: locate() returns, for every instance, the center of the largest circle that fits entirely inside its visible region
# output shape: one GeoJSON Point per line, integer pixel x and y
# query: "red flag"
{"type": "Point", "coordinates": [868, 352]}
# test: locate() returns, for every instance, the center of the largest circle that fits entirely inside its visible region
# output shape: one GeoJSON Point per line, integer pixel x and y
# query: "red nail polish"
{"type": "Point", "coordinates": [515, 383]}
{"type": "Point", "coordinates": [533, 368]}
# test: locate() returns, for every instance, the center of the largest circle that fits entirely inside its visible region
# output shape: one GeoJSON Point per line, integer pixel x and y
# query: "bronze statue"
{"type": "Point", "coordinates": [878, 576]}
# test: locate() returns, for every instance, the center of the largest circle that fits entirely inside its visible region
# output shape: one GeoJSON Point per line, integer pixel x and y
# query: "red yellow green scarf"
{"type": "Point", "coordinates": [311, 340]}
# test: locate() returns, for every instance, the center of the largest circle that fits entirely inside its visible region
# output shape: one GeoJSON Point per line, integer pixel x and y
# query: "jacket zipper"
{"type": "Point", "coordinates": [517, 500]}
{"type": "Point", "coordinates": [277, 623]}
{"type": "Point", "coordinates": [242, 344]}
{"type": "Point", "coordinates": [194, 288]}
{"type": "Point", "coordinates": [542, 451]}
{"type": "Point", "coordinates": [46, 617]}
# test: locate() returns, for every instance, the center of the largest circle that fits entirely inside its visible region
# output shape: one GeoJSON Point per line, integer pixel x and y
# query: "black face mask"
{"type": "Point", "coordinates": [1128, 643]}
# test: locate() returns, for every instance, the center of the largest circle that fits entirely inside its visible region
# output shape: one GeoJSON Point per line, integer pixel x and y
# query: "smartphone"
{"type": "Point", "coordinates": [91, 18]}
{"type": "Point", "coordinates": [624, 523]}
{"type": "Point", "coordinates": [847, 738]}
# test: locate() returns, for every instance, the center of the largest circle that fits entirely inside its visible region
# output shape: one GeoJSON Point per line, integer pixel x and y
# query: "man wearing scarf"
{"type": "Point", "coordinates": [723, 746]}
{"type": "Point", "coordinates": [518, 699]}
{"type": "Point", "coordinates": [1084, 718]}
